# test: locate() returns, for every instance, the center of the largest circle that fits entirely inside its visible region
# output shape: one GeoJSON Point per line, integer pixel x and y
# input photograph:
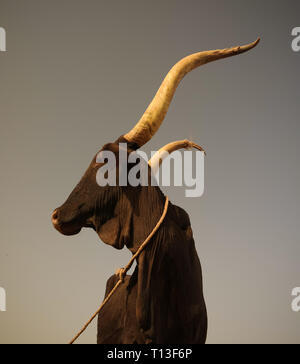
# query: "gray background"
{"type": "Point", "coordinates": [78, 74]}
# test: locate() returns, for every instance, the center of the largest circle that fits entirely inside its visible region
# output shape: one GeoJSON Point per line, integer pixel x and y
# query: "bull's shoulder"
{"type": "Point", "coordinates": [182, 219]}
{"type": "Point", "coordinates": [181, 216]}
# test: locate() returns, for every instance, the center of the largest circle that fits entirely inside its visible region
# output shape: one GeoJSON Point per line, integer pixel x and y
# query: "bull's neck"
{"type": "Point", "coordinates": [148, 209]}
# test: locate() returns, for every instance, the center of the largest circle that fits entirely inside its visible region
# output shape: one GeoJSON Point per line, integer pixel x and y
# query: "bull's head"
{"type": "Point", "coordinates": [109, 210]}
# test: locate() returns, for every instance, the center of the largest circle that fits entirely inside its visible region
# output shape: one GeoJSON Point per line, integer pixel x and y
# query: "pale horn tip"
{"type": "Point", "coordinates": [245, 48]}
{"type": "Point", "coordinates": [257, 41]}
{"type": "Point", "coordinates": [254, 44]}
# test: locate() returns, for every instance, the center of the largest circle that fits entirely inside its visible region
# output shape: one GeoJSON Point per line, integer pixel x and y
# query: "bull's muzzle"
{"type": "Point", "coordinates": [65, 228]}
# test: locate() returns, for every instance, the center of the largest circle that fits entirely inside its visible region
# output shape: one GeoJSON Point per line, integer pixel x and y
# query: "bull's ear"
{"type": "Point", "coordinates": [117, 230]}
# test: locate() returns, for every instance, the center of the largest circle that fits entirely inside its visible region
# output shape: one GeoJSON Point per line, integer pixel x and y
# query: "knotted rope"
{"type": "Point", "coordinates": [122, 272]}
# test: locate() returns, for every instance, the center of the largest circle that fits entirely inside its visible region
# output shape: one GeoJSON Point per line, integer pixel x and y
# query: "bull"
{"type": "Point", "coordinates": [162, 302]}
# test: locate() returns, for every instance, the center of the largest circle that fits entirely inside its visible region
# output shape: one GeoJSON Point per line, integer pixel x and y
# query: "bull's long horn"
{"type": "Point", "coordinates": [156, 111]}
{"type": "Point", "coordinates": [159, 156]}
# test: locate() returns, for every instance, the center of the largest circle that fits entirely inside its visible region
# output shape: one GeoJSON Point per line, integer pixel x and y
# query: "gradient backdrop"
{"type": "Point", "coordinates": [78, 74]}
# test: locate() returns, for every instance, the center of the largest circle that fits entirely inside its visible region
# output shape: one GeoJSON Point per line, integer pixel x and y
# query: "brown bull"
{"type": "Point", "coordinates": [162, 302]}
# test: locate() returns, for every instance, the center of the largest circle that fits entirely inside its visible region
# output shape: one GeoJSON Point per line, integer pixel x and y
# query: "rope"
{"type": "Point", "coordinates": [122, 272]}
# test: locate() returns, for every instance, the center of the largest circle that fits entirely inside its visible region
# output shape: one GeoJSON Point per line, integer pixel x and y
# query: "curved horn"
{"type": "Point", "coordinates": [156, 111]}
{"type": "Point", "coordinates": [159, 156]}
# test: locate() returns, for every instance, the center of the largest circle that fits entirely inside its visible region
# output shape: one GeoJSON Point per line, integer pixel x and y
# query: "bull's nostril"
{"type": "Point", "coordinates": [54, 216]}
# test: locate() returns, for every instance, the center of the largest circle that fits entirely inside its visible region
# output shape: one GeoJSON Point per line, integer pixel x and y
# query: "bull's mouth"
{"type": "Point", "coordinates": [68, 230]}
